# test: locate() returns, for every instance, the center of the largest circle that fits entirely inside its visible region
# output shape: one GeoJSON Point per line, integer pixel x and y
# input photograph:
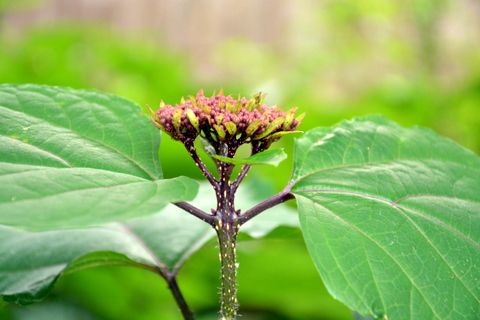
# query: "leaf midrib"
{"type": "Point", "coordinates": [372, 163]}
{"type": "Point", "coordinates": [401, 209]}
{"type": "Point", "coordinates": [396, 205]}
{"type": "Point", "coordinates": [77, 190]}
{"type": "Point", "coordinates": [382, 249]}
{"type": "Point", "coordinates": [70, 130]}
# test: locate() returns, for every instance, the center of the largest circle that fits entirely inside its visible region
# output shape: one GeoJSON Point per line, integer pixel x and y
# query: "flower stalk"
{"type": "Point", "coordinates": [224, 124]}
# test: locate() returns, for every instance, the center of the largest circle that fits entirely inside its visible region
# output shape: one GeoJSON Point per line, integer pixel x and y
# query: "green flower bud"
{"type": "Point", "coordinates": [205, 108]}
{"type": "Point", "coordinates": [301, 116]}
{"type": "Point", "coordinates": [221, 104]}
{"type": "Point", "coordinates": [177, 119]}
{"type": "Point", "coordinates": [193, 100]}
{"type": "Point", "coordinates": [259, 98]}
{"type": "Point", "coordinates": [250, 105]}
{"type": "Point", "coordinates": [272, 126]}
{"type": "Point", "coordinates": [231, 127]}
{"type": "Point", "coordinates": [237, 107]}
{"type": "Point", "coordinates": [220, 119]}
{"type": "Point", "coordinates": [221, 133]}
{"type": "Point", "coordinates": [193, 119]}
{"type": "Point", "coordinates": [289, 119]}
{"type": "Point", "coordinates": [253, 127]}
{"type": "Point", "coordinates": [229, 106]}
{"type": "Point", "coordinates": [158, 125]}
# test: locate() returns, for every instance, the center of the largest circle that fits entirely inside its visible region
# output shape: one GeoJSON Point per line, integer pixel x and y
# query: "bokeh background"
{"type": "Point", "coordinates": [415, 61]}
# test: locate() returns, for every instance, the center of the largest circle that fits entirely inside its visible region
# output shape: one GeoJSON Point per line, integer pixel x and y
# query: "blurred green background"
{"type": "Point", "coordinates": [416, 62]}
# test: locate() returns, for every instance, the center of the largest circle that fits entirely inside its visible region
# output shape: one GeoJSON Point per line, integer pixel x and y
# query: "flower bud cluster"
{"type": "Point", "coordinates": [221, 118]}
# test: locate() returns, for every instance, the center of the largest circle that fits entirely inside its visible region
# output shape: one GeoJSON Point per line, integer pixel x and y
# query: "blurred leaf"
{"type": "Point", "coordinates": [272, 157]}
{"type": "Point", "coordinates": [57, 310]}
{"type": "Point", "coordinates": [31, 262]}
{"type": "Point", "coordinates": [391, 217]}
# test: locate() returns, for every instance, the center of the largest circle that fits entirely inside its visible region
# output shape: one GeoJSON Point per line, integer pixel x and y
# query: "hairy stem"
{"type": "Point", "coordinates": [227, 236]}
{"type": "Point", "coordinates": [227, 230]}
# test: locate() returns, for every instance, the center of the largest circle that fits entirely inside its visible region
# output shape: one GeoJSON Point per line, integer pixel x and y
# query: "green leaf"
{"type": "Point", "coordinates": [391, 218]}
{"type": "Point", "coordinates": [62, 127]}
{"type": "Point", "coordinates": [31, 262]}
{"type": "Point", "coordinates": [75, 158]}
{"type": "Point", "coordinates": [271, 157]}
{"type": "Point", "coordinates": [52, 199]}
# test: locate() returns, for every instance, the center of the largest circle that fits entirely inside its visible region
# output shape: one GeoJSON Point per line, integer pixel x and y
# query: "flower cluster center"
{"type": "Point", "coordinates": [221, 118]}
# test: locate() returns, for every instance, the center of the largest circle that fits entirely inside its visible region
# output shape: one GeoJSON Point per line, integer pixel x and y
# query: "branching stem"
{"type": "Point", "coordinates": [240, 177]}
{"type": "Point", "coordinates": [190, 146]}
{"type": "Point", "coordinates": [281, 197]}
{"type": "Point", "coordinates": [208, 218]}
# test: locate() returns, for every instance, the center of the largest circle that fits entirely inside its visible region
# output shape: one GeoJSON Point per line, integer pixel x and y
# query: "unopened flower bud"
{"type": "Point", "coordinates": [220, 131]}
{"type": "Point", "coordinates": [231, 128]}
{"type": "Point", "coordinates": [177, 119]}
{"type": "Point", "coordinates": [193, 119]}
{"type": "Point", "coordinates": [253, 127]}
{"type": "Point", "coordinates": [289, 119]}
{"type": "Point", "coordinates": [272, 126]}
{"type": "Point", "coordinates": [300, 117]}
{"type": "Point", "coordinates": [250, 105]}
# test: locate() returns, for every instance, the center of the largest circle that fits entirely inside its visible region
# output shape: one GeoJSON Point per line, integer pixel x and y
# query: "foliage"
{"type": "Point", "coordinates": [390, 215]}
{"type": "Point", "coordinates": [391, 218]}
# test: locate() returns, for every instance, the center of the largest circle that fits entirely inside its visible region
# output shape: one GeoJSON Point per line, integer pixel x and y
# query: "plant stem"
{"type": "Point", "coordinates": [227, 231]}
{"type": "Point", "coordinates": [208, 218]}
{"type": "Point", "coordinates": [227, 236]}
{"type": "Point", "coordinates": [240, 177]}
{"type": "Point", "coordinates": [281, 197]}
{"type": "Point", "coordinates": [170, 277]}
{"type": "Point", "coordinates": [190, 146]}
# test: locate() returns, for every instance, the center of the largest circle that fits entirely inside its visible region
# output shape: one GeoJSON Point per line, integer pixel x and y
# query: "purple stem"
{"type": "Point", "coordinates": [202, 215]}
{"type": "Point", "coordinates": [281, 197]}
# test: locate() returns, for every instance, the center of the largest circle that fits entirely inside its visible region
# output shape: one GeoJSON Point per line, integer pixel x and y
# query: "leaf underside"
{"type": "Point", "coordinates": [391, 217]}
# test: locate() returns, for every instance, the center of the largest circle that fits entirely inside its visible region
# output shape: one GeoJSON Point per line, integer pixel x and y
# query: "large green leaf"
{"type": "Point", "coordinates": [62, 128]}
{"type": "Point", "coordinates": [391, 217]}
{"type": "Point", "coordinates": [75, 158]}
